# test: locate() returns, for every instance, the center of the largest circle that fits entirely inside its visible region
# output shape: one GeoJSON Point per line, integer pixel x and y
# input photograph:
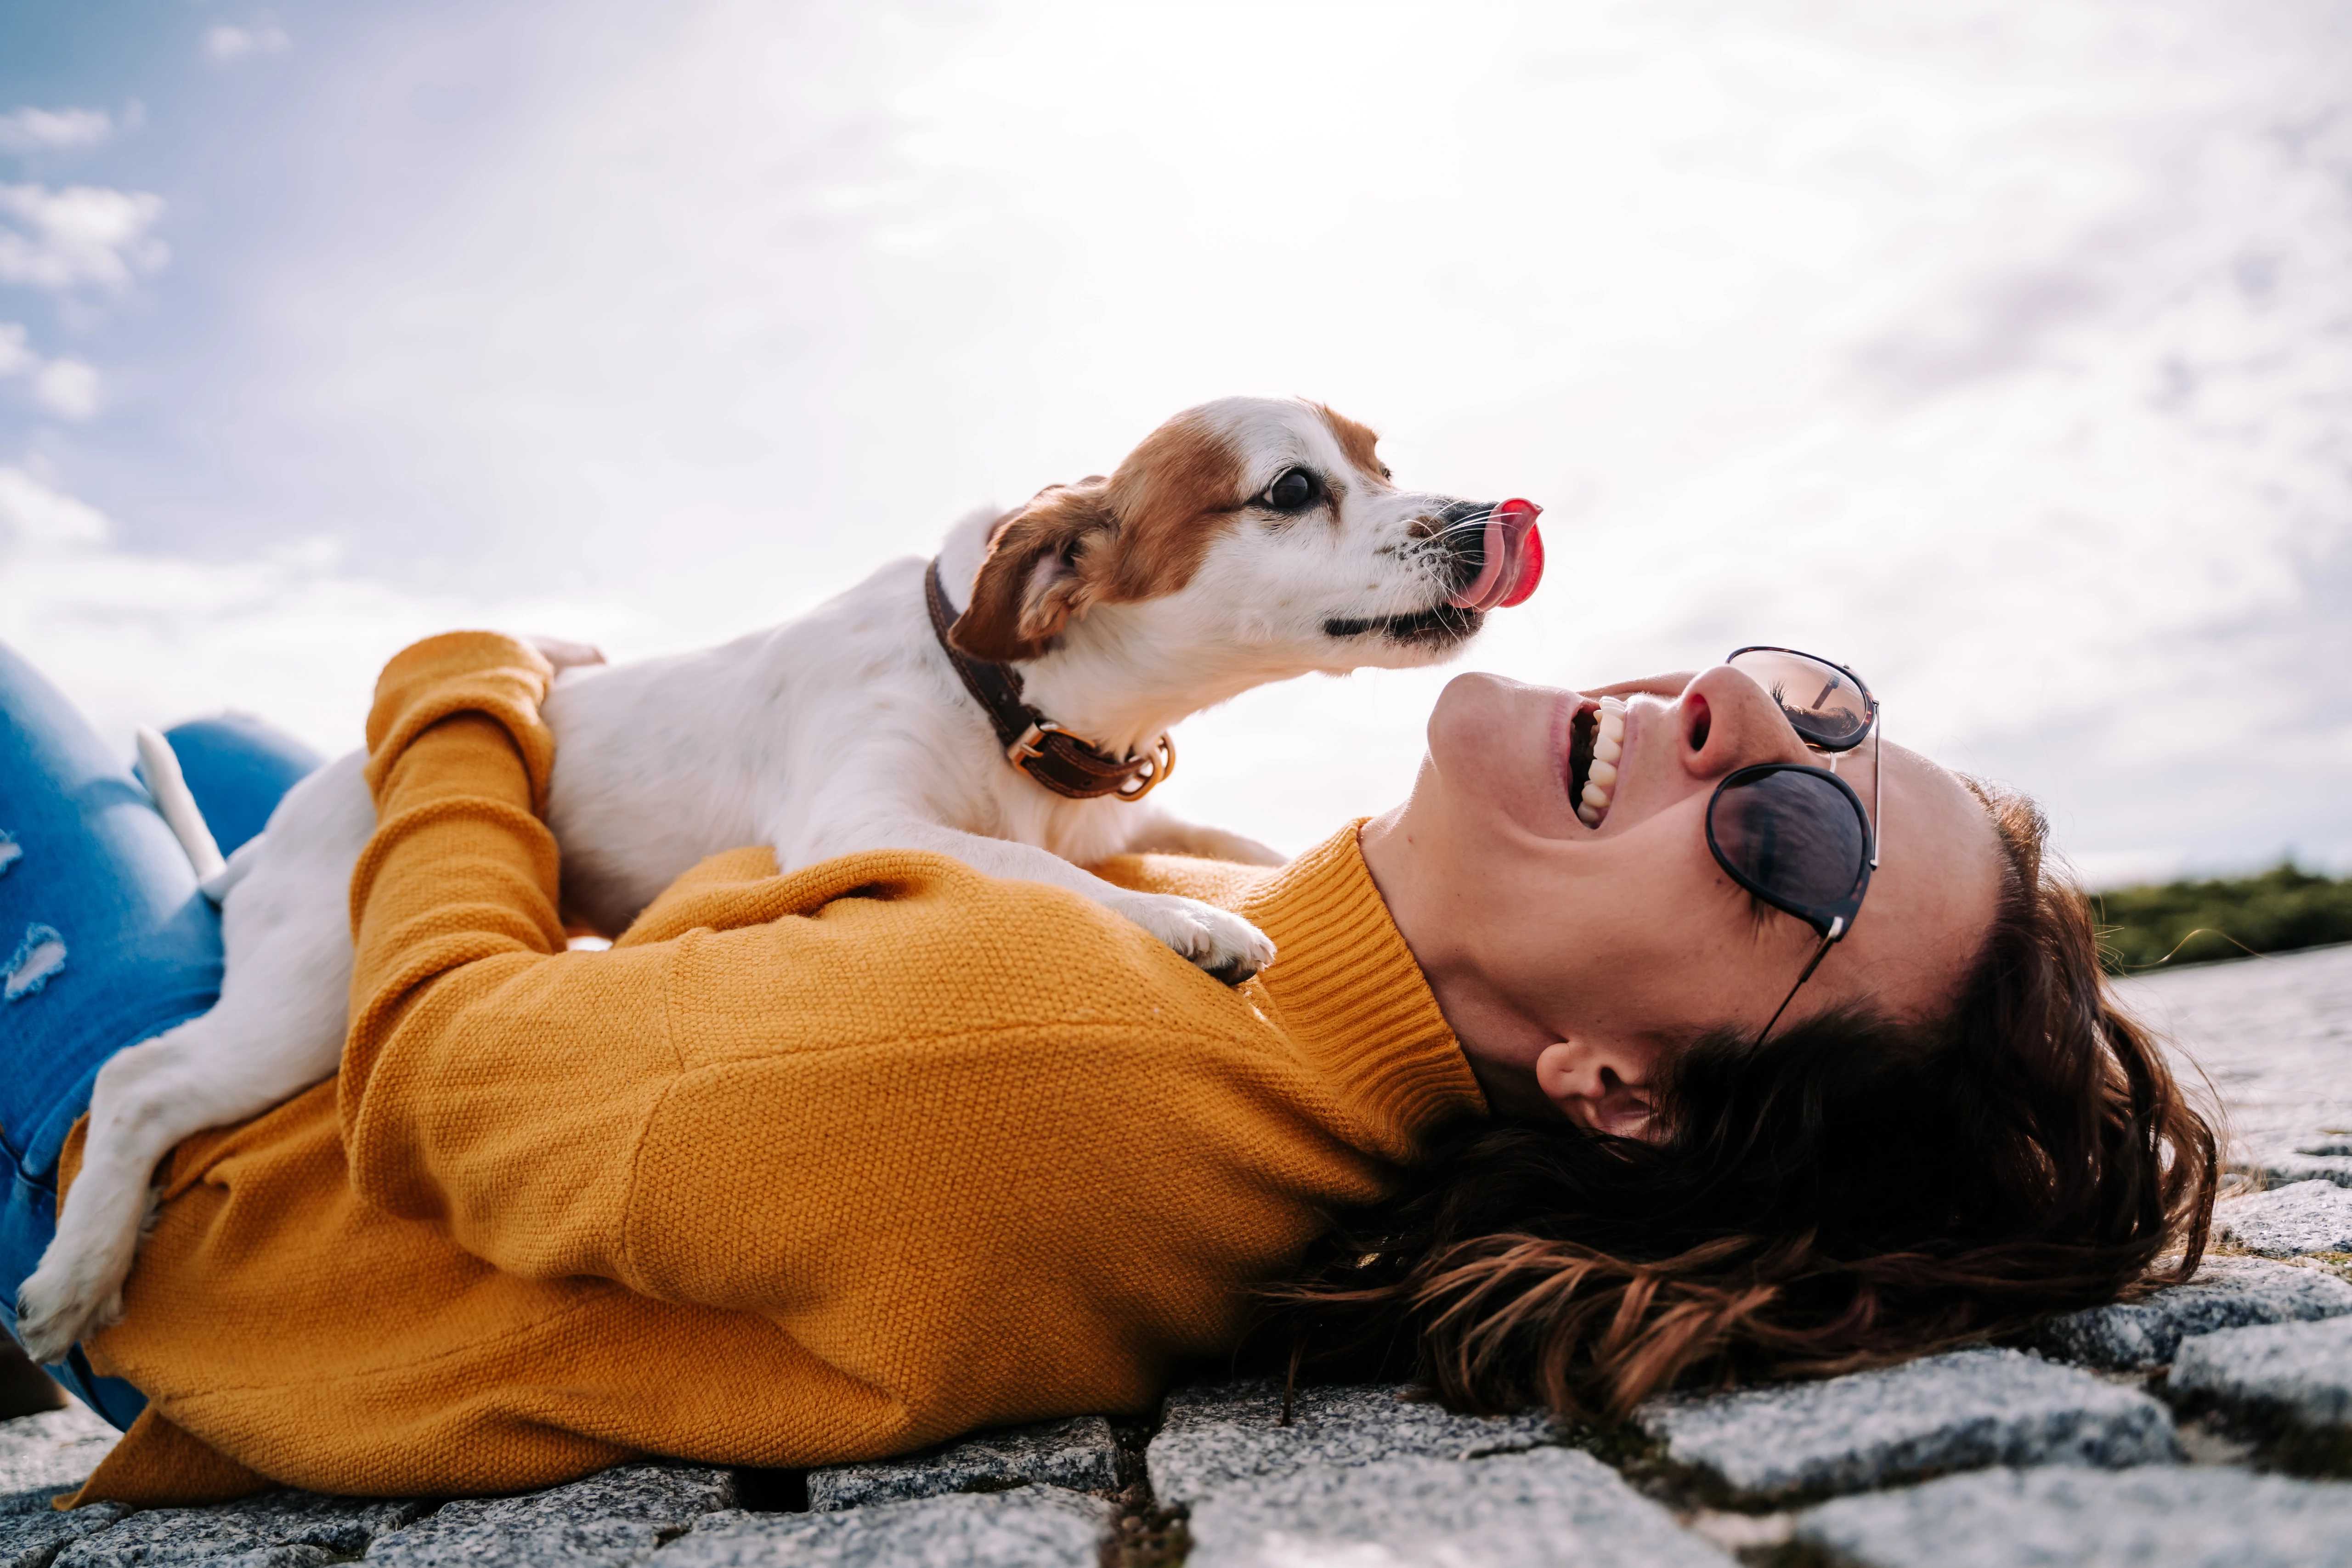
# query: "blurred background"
{"type": "Point", "coordinates": [2002, 349]}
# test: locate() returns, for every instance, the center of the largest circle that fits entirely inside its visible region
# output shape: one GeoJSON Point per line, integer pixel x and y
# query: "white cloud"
{"type": "Point", "coordinates": [62, 239]}
{"type": "Point", "coordinates": [226, 42]}
{"type": "Point", "coordinates": [65, 386]}
{"type": "Point", "coordinates": [68, 388]}
{"type": "Point", "coordinates": [38, 520]}
{"type": "Point", "coordinates": [33, 130]}
{"type": "Point", "coordinates": [136, 637]}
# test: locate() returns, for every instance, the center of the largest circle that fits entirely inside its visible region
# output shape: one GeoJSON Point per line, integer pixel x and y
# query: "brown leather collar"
{"type": "Point", "coordinates": [1035, 743]}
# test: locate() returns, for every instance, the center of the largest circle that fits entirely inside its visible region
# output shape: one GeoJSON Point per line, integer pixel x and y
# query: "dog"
{"type": "Point", "coordinates": [1007, 703]}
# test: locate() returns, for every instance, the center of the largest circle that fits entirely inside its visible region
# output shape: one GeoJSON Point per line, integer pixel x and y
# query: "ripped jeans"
{"type": "Point", "coordinates": [105, 938]}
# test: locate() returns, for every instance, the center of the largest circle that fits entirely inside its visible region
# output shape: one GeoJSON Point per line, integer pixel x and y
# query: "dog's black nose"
{"type": "Point", "coordinates": [1461, 532]}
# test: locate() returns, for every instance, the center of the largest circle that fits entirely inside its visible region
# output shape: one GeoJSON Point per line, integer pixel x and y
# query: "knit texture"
{"type": "Point", "coordinates": [805, 1169]}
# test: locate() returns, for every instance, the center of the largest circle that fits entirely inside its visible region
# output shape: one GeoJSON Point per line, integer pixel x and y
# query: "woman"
{"type": "Point", "coordinates": [820, 1167]}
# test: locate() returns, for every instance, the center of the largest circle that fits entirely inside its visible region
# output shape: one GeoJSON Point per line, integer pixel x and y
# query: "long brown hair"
{"type": "Point", "coordinates": [1856, 1189]}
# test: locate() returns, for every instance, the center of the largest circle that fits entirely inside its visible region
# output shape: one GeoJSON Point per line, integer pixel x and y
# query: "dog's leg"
{"type": "Point", "coordinates": [1219, 940]}
{"type": "Point", "coordinates": [277, 1028]}
{"type": "Point", "coordinates": [1157, 832]}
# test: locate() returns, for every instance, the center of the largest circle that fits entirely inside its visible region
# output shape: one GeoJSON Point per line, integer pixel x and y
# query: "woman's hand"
{"type": "Point", "coordinates": [564, 654]}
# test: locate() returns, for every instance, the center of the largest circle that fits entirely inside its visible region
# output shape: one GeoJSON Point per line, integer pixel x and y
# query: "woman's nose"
{"type": "Point", "coordinates": [1729, 722]}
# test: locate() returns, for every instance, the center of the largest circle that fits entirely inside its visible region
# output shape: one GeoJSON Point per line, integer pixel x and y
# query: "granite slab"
{"type": "Point", "coordinates": [2294, 1220]}
{"type": "Point", "coordinates": [2303, 1371]}
{"type": "Point", "coordinates": [1079, 1453]}
{"type": "Point", "coordinates": [1544, 1508]}
{"type": "Point", "coordinates": [2178, 1516]}
{"type": "Point", "coordinates": [1959, 1411]}
{"type": "Point", "coordinates": [1027, 1527]}
{"type": "Point", "coordinates": [2227, 1293]}
{"type": "Point", "coordinates": [1215, 1435]}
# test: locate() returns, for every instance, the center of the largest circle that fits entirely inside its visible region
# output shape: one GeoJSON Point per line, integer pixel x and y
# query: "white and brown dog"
{"type": "Point", "coordinates": [1244, 541]}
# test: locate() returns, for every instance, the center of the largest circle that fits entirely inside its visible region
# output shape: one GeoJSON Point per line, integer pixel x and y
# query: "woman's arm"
{"type": "Point", "coordinates": [522, 1154]}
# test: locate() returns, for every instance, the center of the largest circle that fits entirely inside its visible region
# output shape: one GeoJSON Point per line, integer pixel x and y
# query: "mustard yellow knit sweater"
{"type": "Point", "coordinates": [805, 1169]}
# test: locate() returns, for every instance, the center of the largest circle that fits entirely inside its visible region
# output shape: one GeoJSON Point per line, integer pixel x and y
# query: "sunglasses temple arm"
{"type": "Point", "coordinates": [1877, 790]}
{"type": "Point", "coordinates": [1815, 962]}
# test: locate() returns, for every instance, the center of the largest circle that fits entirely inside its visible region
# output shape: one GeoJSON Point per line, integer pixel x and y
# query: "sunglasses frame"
{"type": "Point", "coordinates": [1832, 920]}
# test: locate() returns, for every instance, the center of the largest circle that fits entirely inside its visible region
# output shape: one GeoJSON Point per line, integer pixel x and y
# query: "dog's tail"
{"type": "Point", "coordinates": [178, 804]}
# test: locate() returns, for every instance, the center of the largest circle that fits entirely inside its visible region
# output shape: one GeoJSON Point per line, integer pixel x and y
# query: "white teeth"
{"type": "Point", "coordinates": [1608, 746]}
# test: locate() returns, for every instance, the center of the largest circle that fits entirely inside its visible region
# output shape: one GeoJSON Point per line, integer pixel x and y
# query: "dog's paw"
{"type": "Point", "coordinates": [1221, 943]}
{"type": "Point", "coordinates": [61, 1304]}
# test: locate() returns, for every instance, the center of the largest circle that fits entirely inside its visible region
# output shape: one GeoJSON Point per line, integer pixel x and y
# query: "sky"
{"type": "Point", "coordinates": [2001, 350]}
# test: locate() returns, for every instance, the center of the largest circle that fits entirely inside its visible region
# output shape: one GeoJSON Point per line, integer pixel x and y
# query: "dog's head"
{"type": "Point", "coordinates": [1265, 529]}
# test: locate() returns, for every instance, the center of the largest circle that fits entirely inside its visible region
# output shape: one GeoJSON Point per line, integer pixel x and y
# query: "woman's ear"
{"type": "Point", "coordinates": [1037, 576]}
{"type": "Point", "coordinates": [1598, 1087]}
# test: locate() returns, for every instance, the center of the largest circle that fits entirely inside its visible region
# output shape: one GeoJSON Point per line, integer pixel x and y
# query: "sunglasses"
{"type": "Point", "coordinates": [1793, 834]}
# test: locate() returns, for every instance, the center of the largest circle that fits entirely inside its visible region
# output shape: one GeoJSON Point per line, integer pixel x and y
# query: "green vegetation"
{"type": "Point", "coordinates": [2282, 908]}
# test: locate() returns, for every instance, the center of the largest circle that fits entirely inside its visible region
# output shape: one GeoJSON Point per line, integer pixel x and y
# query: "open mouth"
{"type": "Point", "coordinates": [1436, 626]}
{"type": "Point", "coordinates": [1596, 739]}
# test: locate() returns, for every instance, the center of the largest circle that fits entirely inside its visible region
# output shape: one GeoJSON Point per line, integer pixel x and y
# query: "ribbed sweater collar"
{"type": "Point", "coordinates": [1346, 987]}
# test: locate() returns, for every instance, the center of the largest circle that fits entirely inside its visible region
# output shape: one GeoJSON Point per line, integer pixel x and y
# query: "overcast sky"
{"type": "Point", "coordinates": [2003, 350]}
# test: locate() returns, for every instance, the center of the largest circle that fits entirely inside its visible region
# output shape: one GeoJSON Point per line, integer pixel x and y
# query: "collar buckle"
{"type": "Point", "coordinates": [1031, 742]}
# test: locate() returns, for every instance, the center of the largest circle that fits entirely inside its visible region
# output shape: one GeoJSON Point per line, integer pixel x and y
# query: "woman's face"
{"type": "Point", "coordinates": [1570, 960]}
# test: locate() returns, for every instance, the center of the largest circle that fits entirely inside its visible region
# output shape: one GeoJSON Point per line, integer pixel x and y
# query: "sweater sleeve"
{"type": "Point", "coordinates": [521, 1153]}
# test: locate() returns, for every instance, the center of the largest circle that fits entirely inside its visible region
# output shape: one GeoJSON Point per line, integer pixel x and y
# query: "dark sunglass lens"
{"type": "Point", "coordinates": [1821, 702]}
{"type": "Point", "coordinates": [1793, 834]}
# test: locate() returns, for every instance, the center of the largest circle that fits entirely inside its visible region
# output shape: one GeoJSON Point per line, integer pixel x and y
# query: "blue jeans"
{"type": "Point", "coordinates": [106, 940]}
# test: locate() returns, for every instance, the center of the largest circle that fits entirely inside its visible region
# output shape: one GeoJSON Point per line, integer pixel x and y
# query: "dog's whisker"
{"type": "Point", "coordinates": [1465, 525]}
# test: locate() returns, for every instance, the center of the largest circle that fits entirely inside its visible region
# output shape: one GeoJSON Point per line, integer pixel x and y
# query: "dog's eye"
{"type": "Point", "coordinates": [1292, 489]}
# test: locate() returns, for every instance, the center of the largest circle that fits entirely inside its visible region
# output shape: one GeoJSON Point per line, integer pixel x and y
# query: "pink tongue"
{"type": "Point", "coordinates": [1514, 559]}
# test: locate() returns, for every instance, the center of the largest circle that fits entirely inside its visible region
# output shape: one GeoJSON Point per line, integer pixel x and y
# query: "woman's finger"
{"type": "Point", "coordinates": [564, 654]}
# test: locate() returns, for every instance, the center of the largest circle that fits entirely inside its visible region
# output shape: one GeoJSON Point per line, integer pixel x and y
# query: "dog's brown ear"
{"type": "Point", "coordinates": [1038, 573]}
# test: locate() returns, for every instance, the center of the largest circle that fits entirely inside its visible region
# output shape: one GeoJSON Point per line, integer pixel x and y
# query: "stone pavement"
{"type": "Point", "coordinates": [2275, 1037]}
{"type": "Point", "coordinates": [2209, 1425]}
